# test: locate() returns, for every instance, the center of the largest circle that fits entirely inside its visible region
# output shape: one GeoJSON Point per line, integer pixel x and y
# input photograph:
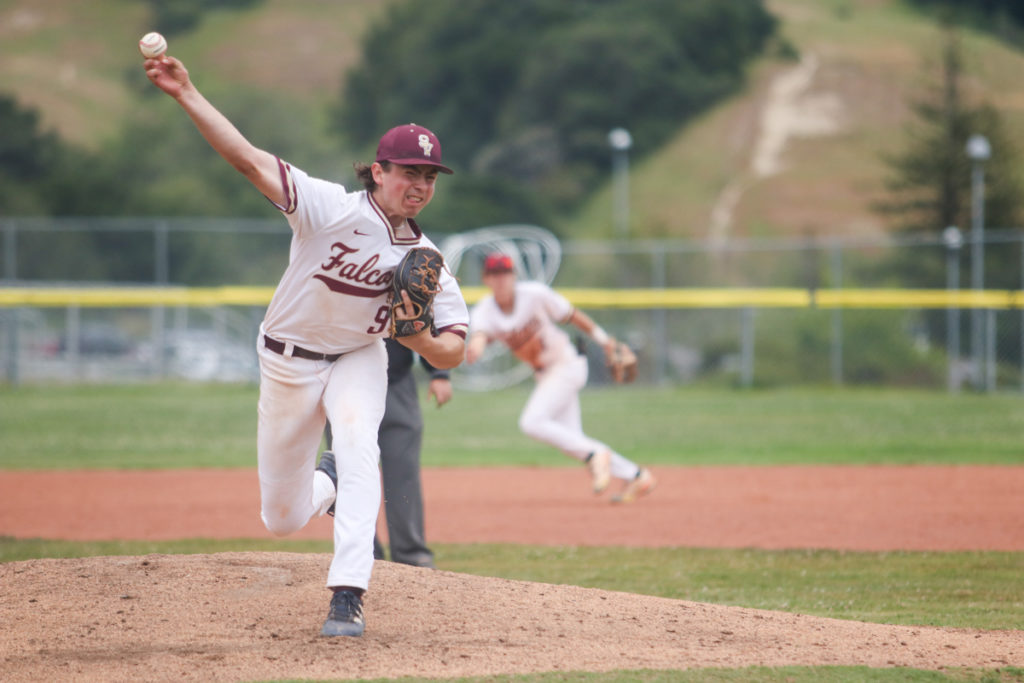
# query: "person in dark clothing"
{"type": "Point", "coordinates": [400, 437]}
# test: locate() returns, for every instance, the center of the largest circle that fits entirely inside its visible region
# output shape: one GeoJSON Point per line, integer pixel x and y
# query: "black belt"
{"type": "Point", "coordinates": [298, 351]}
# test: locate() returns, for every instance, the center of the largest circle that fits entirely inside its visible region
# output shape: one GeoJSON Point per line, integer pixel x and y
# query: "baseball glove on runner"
{"type": "Point", "coordinates": [417, 273]}
{"type": "Point", "coordinates": [622, 363]}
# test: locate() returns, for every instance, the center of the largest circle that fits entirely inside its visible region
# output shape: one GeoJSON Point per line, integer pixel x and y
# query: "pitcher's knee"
{"type": "Point", "coordinates": [530, 427]}
{"type": "Point", "coordinates": [281, 525]}
{"type": "Point", "coordinates": [528, 423]}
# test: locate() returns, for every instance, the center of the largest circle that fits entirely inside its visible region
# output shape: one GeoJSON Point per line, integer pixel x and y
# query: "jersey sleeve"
{"type": "Point", "coordinates": [450, 311]}
{"type": "Point", "coordinates": [557, 307]}
{"type": "Point", "coordinates": [307, 199]}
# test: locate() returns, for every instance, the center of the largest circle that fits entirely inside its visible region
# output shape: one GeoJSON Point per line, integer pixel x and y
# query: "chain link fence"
{"type": "Point", "coordinates": [730, 344]}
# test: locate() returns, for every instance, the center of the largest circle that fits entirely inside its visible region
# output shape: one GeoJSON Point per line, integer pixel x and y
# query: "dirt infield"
{"type": "Point", "coordinates": [252, 616]}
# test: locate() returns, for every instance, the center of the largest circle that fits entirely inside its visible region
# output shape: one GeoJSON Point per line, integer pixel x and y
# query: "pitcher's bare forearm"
{"type": "Point", "coordinates": [475, 348]}
{"type": "Point", "coordinates": [260, 167]}
{"type": "Point", "coordinates": [590, 328]}
{"type": "Point", "coordinates": [444, 351]}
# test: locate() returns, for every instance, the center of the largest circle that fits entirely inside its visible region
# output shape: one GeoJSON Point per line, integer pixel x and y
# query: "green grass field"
{"type": "Point", "coordinates": [185, 425]}
{"type": "Point", "coordinates": [195, 425]}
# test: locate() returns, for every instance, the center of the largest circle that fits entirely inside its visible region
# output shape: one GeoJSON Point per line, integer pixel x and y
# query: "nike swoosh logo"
{"type": "Point", "coordinates": [364, 234]}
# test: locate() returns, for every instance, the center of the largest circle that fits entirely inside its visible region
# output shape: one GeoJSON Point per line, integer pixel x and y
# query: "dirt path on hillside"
{"type": "Point", "coordinates": [245, 616]}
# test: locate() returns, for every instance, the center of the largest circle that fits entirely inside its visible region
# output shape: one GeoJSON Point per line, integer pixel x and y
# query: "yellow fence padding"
{"type": "Point", "coordinates": [127, 297]}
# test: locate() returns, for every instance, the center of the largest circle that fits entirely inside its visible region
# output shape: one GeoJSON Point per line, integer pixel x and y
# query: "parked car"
{"type": "Point", "coordinates": [99, 340]}
{"type": "Point", "coordinates": [202, 355]}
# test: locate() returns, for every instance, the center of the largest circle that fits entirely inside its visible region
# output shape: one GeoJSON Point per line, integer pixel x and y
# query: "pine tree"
{"type": "Point", "coordinates": [930, 185]}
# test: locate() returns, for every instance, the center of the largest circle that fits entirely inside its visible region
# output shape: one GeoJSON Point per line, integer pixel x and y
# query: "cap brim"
{"type": "Point", "coordinates": [420, 162]}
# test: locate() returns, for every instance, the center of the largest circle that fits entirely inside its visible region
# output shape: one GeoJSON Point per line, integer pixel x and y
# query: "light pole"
{"type": "Point", "coordinates": [621, 141]}
{"type": "Point", "coordinates": [954, 241]}
{"type": "Point", "coordinates": [978, 151]}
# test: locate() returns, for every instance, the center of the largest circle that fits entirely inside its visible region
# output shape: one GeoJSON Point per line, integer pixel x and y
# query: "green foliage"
{"type": "Point", "coordinates": [1003, 18]}
{"type": "Point", "coordinates": [180, 175]}
{"type": "Point", "coordinates": [25, 150]}
{"type": "Point", "coordinates": [33, 162]}
{"type": "Point", "coordinates": [879, 348]}
{"type": "Point", "coordinates": [526, 92]}
{"type": "Point", "coordinates": [469, 201]}
{"type": "Point", "coordinates": [930, 185]}
{"type": "Point", "coordinates": [931, 181]}
{"type": "Point", "coordinates": [42, 174]}
{"type": "Point", "coordinates": [883, 347]}
{"type": "Point", "coordinates": [793, 348]}
{"type": "Point", "coordinates": [176, 17]}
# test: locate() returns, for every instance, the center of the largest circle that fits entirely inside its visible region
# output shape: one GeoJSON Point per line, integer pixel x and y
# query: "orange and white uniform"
{"type": "Point", "coordinates": [532, 333]}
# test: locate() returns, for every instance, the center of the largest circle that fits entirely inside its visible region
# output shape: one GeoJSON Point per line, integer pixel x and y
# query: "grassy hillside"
{"type": "Point", "coordinates": [872, 58]}
{"type": "Point", "coordinates": [834, 114]}
{"type": "Point", "coordinates": [79, 64]}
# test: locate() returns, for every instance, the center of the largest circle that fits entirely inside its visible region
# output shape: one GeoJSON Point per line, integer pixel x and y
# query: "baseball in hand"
{"type": "Point", "coordinates": [152, 45]}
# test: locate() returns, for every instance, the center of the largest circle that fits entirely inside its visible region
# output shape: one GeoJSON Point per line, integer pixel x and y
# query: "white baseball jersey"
{"type": "Point", "coordinates": [333, 297]}
{"type": "Point", "coordinates": [531, 329]}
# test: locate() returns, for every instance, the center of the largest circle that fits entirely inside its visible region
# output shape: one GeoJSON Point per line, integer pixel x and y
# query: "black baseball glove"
{"type": "Point", "coordinates": [418, 274]}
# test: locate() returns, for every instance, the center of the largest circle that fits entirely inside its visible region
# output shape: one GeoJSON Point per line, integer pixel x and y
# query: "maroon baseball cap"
{"type": "Point", "coordinates": [411, 145]}
{"type": "Point", "coordinates": [498, 263]}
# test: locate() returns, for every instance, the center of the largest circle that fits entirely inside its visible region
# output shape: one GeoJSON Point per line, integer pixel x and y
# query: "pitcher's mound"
{"type": "Point", "coordinates": [257, 616]}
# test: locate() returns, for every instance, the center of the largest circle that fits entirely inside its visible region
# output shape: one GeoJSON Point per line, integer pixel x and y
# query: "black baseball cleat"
{"type": "Point", "coordinates": [328, 467]}
{"type": "Point", "coordinates": [346, 615]}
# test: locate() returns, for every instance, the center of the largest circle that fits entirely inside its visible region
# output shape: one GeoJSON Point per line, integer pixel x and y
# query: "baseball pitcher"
{"type": "Point", "coordinates": [320, 346]}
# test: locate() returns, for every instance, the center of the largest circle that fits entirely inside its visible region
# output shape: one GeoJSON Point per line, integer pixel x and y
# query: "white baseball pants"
{"type": "Point", "coordinates": [552, 415]}
{"type": "Point", "coordinates": [296, 397]}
